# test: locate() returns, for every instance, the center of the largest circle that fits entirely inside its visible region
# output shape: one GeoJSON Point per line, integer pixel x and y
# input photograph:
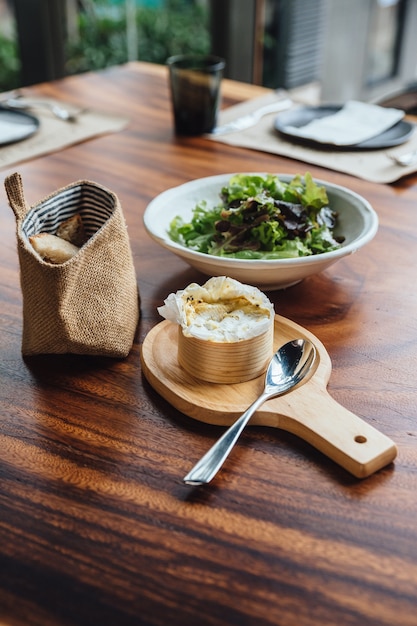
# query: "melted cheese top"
{"type": "Point", "coordinates": [221, 310]}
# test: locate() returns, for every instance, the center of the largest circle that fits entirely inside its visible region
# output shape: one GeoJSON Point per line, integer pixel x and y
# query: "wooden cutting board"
{"type": "Point", "coordinates": [307, 411]}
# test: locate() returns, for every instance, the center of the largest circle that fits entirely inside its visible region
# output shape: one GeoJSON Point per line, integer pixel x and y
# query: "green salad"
{"type": "Point", "coordinates": [261, 217]}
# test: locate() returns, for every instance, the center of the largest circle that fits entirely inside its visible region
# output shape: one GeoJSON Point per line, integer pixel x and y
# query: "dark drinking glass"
{"type": "Point", "coordinates": [195, 92]}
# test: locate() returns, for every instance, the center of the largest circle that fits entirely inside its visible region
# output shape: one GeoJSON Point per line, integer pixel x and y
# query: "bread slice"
{"type": "Point", "coordinates": [52, 248]}
{"type": "Point", "coordinates": [72, 230]}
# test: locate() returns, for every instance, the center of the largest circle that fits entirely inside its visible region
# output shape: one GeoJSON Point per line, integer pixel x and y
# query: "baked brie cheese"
{"type": "Point", "coordinates": [225, 329]}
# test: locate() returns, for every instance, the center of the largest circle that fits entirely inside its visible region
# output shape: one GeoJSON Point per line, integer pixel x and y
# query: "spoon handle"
{"type": "Point", "coordinates": [208, 466]}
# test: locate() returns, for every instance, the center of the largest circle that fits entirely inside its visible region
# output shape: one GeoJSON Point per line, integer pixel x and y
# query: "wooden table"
{"type": "Point", "coordinates": [96, 525]}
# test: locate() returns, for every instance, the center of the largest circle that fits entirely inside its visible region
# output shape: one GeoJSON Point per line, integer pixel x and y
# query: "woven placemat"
{"type": "Point", "coordinates": [372, 165]}
{"type": "Point", "coordinates": [55, 134]}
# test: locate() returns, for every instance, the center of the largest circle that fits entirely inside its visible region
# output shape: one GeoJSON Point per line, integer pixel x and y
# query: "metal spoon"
{"type": "Point", "coordinates": [288, 367]}
{"type": "Point", "coordinates": [23, 103]}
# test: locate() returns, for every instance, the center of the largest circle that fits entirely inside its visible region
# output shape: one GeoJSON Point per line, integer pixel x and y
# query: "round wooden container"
{"type": "Point", "coordinates": [226, 362]}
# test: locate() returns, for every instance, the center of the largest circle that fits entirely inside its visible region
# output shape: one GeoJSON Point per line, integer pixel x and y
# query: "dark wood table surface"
{"type": "Point", "coordinates": [96, 525]}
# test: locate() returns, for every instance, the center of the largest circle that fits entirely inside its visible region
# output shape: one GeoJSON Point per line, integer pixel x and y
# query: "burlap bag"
{"type": "Point", "coordinates": [88, 304]}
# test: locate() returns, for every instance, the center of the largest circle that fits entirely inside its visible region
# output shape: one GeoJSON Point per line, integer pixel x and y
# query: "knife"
{"type": "Point", "coordinates": [246, 121]}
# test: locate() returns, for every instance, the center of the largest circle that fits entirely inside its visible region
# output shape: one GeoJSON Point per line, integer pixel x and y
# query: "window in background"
{"type": "Point", "coordinates": [370, 49]}
{"type": "Point", "coordinates": [276, 43]}
{"type": "Point", "coordinates": [293, 42]}
{"type": "Point", "coordinates": [110, 32]}
{"type": "Point", "coordinates": [385, 31]}
{"type": "Point", "coordinates": [9, 54]}
{"type": "Point", "coordinates": [41, 40]}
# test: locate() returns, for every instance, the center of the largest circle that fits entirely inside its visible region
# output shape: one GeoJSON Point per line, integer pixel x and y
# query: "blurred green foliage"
{"type": "Point", "coordinates": [173, 27]}
{"type": "Point", "coordinates": [179, 26]}
{"type": "Point", "coordinates": [9, 64]}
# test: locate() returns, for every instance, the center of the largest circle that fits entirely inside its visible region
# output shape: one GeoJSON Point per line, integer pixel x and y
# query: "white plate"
{"type": "Point", "coordinates": [16, 125]}
{"type": "Point", "coordinates": [394, 136]}
{"type": "Point", "coordinates": [357, 222]}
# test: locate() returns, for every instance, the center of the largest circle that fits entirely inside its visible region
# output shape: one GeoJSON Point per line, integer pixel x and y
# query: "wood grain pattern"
{"type": "Point", "coordinates": [218, 362]}
{"type": "Point", "coordinates": [96, 526]}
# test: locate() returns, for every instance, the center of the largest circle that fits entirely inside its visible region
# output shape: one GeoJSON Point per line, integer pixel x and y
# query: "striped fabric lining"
{"type": "Point", "coordinates": [95, 206]}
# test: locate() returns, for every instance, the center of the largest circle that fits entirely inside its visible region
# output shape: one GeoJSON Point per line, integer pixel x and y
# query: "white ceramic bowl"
{"type": "Point", "coordinates": [357, 222]}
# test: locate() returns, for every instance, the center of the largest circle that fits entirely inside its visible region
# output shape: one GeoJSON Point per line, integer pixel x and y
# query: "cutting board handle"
{"type": "Point", "coordinates": [337, 432]}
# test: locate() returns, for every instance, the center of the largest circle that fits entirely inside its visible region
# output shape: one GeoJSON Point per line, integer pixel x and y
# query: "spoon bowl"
{"type": "Point", "coordinates": [288, 367]}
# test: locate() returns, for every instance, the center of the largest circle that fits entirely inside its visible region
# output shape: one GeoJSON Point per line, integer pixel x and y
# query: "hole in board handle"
{"type": "Point", "coordinates": [360, 439]}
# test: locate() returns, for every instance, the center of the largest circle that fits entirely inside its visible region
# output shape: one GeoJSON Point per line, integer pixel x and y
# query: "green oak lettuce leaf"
{"type": "Point", "coordinates": [269, 234]}
{"type": "Point", "coordinates": [198, 233]}
{"type": "Point", "coordinates": [308, 193]}
{"type": "Point", "coordinates": [289, 249]}
{"type": "Point", "coordinates": [301, 189]}
{"type": "Point", "coordinates": [243, 186]}
{"type": "Point", "coordinates": [321, 240]}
